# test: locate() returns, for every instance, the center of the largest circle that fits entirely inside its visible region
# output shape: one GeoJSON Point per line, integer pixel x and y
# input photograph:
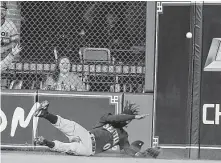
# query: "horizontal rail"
{"type": "Point", "coordinates": [90, 68]}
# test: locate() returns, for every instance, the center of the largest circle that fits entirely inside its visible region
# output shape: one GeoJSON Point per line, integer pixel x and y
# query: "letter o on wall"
{"type": "Point", "coordinates": [4, 121]}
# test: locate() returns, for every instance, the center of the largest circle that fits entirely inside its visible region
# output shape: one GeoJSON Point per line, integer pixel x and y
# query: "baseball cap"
{"type": "Point", "coordinates": [135, 147]}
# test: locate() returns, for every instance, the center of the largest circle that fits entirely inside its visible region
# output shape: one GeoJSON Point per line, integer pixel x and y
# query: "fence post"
{"type": "Point", "coordinates": [150, 47]}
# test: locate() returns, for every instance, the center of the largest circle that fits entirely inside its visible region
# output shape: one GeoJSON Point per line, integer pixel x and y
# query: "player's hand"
{"type": "Point", "coordinates": [142, 116]}
{"type": "Point", "coordinates": [16, 49]}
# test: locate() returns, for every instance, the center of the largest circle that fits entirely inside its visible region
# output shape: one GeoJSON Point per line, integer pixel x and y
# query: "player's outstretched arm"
{"type": "Point", "coordinates": [121, 117]}
{"type": "Point", "coordinates": [141, 116]}
{"type": "Point", "coordinates": [117, 118]}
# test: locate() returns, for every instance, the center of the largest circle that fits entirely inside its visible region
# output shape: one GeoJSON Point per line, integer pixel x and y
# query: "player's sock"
{"type": "Point", "coordinates": [51, 118]}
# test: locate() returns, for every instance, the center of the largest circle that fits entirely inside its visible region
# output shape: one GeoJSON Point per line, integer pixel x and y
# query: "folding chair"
{"type": "Point", "coordinates": [98, 55]}
{"type": "Point", "coordinates": [94, 56]}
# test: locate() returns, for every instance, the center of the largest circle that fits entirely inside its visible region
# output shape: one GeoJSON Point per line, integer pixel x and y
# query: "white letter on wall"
{"type": "Point", "coordinates": [205, 121]}
{"type": "Point", "coordinates": [4, 122]}
{"type": "Point", "coordinates": [218, 114]}
{"type": "Point", "coordinates": [18, 117]}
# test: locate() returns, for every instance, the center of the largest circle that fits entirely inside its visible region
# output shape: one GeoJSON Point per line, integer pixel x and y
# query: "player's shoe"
{"type": "Point", "coordinates": [42, 110]}
{"type": "Point", "coordinates": [40, 140]}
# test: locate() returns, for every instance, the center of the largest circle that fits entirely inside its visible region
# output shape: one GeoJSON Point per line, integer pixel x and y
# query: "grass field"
{"type": "Point", "coordinates": [49, 157]}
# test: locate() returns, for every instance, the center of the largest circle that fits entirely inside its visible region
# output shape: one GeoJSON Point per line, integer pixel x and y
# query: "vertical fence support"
{"type": "Point", "coordinates": [150, 46]}
{"type": "Point", "coordinates": [195, 77]}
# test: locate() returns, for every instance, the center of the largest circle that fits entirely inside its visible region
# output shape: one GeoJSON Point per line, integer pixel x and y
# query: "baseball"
{"type": "Point", "coordinates": [188, 35]}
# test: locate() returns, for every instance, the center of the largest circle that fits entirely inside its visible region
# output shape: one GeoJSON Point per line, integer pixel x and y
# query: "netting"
{"type": "Point", "coordinates": [104, 43]}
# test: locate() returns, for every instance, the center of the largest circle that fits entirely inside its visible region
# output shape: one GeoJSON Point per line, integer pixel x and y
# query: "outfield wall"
{"type": "Point", "coordinates": [188, 78]}
{"type": "Point", "coordinates": [19, 127]}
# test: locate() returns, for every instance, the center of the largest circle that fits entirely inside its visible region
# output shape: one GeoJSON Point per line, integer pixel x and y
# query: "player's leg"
{"type": "Point", "coordinates": [74, 148]}
{"type": "Point", "coordinates": [75, 133]}
{"type": "Point", "coordinates": [42, 112]}
{"type": "Point", "coordinates": [71, 129]}
{"type": "Point", "coordinates": [42, 141]}
{"type": "Point", "coordinates": [64, 125]}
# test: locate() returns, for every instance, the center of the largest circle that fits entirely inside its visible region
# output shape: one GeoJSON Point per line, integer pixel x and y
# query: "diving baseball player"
{"type": "Point", "coordinates": [106, 134]}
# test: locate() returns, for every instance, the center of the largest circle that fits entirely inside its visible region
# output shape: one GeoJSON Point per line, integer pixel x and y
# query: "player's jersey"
{"type": "Point", "coordinates": [107, 136]}
{"type": "Point", "coordinates": [8, 33]}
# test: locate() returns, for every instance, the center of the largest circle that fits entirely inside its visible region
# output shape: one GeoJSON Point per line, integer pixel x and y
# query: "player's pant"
{"type": "Point", "coordinates": [73, 131]}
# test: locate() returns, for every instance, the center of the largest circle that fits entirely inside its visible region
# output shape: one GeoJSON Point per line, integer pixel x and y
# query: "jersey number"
{"type": "Point", "coordinates": [107, 146]}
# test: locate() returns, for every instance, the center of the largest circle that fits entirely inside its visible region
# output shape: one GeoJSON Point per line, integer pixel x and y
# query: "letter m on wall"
{"type": "Point", "coordinates": [19, 118]}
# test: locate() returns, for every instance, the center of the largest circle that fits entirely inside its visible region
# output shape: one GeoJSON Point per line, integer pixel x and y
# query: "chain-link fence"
{"type": "Point", "coordinates": [103, 42]}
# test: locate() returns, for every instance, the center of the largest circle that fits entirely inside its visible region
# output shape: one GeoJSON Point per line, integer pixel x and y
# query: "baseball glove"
{"type": "Point", "coordinates": [150, 152]}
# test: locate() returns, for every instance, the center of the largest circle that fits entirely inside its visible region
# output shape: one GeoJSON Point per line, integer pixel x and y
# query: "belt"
{"type": "Point", "coordinates": [93, 143]}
